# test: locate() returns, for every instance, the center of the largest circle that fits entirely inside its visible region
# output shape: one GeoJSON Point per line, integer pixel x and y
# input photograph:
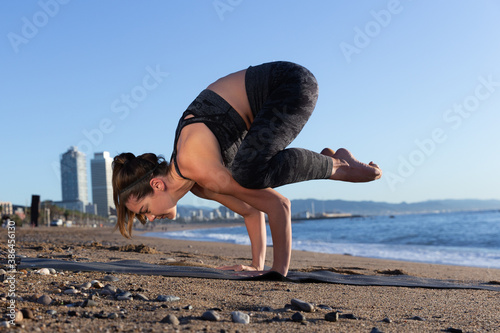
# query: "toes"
{"type": "Point", "coordinates": [328, 152]}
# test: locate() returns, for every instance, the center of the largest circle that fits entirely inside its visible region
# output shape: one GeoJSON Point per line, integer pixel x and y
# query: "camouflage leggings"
{"type": "Point", "coordinates": [282, 96]}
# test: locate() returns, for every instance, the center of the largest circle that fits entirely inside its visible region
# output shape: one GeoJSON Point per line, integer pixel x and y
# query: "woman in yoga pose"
{"type": "Point", "coordinates": [231, 146]}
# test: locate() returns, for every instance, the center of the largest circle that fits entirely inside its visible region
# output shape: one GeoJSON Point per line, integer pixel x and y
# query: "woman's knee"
{"type": "Point", "coordinates": [303, 78]}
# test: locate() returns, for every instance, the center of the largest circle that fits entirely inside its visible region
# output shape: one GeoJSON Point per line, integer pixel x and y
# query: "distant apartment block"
{"type": "Point", "coordinates": [102, 188]}
{"type": "Point", "coordinates": [74, 180]}
{"type": "Point", "coordinates": [6, 208]}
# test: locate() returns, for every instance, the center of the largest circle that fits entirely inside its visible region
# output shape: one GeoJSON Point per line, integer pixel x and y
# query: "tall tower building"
{"type": "Point", "coordinates": [74, 176]}
{"type": "Point", "coordinates": [102, 188]}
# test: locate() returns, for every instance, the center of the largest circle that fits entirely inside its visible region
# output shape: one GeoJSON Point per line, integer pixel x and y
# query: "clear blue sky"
{"type": "Point", "coordinates": [411, 85]}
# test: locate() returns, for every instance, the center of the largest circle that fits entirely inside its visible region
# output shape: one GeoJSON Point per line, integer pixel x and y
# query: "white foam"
{"type": "Point", "coordinates": [428, 254]}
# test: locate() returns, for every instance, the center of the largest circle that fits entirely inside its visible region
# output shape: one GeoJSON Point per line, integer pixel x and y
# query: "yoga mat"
{"type": "Point", "coordinates": [138, 267]}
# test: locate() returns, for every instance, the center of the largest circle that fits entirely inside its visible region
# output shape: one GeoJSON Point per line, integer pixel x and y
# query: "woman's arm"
{"type": "Point", "coordinates": [201, 161]}
{"type": "Point", "coordinates": [216, 178]}
{"type": "Point", "coordinates": [254, 222]}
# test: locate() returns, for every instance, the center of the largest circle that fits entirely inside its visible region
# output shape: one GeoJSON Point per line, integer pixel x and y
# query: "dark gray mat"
{"type": "Point", "coordinates": [137, 267]}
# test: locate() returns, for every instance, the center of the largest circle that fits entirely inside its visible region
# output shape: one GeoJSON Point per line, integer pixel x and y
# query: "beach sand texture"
{"type": "Point", "coordinates": [268, 303]}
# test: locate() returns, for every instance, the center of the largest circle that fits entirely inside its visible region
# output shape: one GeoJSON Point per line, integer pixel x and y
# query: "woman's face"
{"type": "Point", "coordinates": [158, 205]}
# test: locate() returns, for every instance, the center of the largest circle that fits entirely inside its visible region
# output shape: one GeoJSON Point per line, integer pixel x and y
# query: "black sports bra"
{"type": "Point", "coordinates": [221, 118]}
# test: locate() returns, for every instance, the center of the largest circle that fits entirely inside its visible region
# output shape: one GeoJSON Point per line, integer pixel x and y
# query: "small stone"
{"type": "Point", "coordinates": [418, 318]}
{"type": "Point", "coordinates": [105, 292]}
{"type": "Point", "coordinates": [101, 315]}
{"type": "Point", "coordinates": [88, 303]}
{"type": "Point", "coordinates": [210, 316]}
{"type": "Point", "coordinates": [18, 317]}
{"type": "Point", "coordinates": [332, 316]}
{"type": "Point", "coordinates": [387, 320]}
{"type": "Point", "coordinates": [43, 271]}
{"type": "Point", "coordinates": [111, 278]}
{"type": "Point", "coordinates": [52, 271]}
{"type": "Point", "coordinates": [141, 297]}
{"type": "Point", "coordinates": [170, 319]}
{"type": "Point", "coordinates": [2, 271]}
{"type": "Point", "coordinates": [124, 296]}
{"type": "Point", "coordinates": [44, 299]}
{"type": "Point", "coordinates": [266, 309]}
{"type": "Point", "coordinates": [298, 317]}
{"type": "Point", "coordinates": [86, 285]}
{"type": "Point", "coordinates": [72, 313]}
{"type": "Point", "coordinates": [376, 330]}
{"type": "Point", "coordinates": [51, 312]}
{"type": "Point", "coordinates": [96, 284]}
{"type": "Point", "coordinates": [325, 307]}
{"type": "Point", "coordinates": [304, 306]}
{"type": "Point", "coordinates": [453, 330]}
{"type": "Point", "coordinates": [167, 298]}
{"type": "Point", "coordinates": [350, 316]}
{"type": "Point", "coordinates": [5, 324]}
{"type": "Point", "coordinates": [111, 288]}
{"type": "Point", "coordinates": [188, 307]}
{"type": "Point", "coordinates": [240, 317]}
{"type": "Point", "coordinates": [113, 315]}
{"type": "Point", "coordinates": [27, 313]}
{"type": "Point", "coordinates": [71, 291]}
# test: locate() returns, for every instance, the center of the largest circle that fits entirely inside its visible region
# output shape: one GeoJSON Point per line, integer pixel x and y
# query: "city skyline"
{"type": "Point", "coordinates": [75, 186]}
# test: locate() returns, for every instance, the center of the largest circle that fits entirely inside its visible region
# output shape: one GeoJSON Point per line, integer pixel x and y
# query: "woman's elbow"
{"type": "Point", "coordinates": [286, 205]}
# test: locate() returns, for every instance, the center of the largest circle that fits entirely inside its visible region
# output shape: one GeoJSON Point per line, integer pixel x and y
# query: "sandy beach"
{"type": "Point", "coordinates": [268, 303]}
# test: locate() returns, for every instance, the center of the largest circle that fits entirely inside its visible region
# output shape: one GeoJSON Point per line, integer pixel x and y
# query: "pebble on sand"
{"type": "Point", "coordinates": [71, 291]}
{"type": "Point", "coordinates": [18, 317]}
{"type": "Point", "coordinates": [43, 271]}
{"type": "Point", "coordinates": [304, 306]}
{"type": "Point", "coordinates": [96, 284]}
{"type": "Point", "coordinates": [375, 330]}
{"type": "Point", "coordinates": [240, 317]}
{"type": "Point", "coordinates": [44, 299]}
{"type": "Point", "coordinates": [210, 316]}
{"type": "Point", "coordinates": [167, 298]}
{"type": "Point", "coordinates": [332, 316]}
{"type": "Point", "coordinates": [298, 317]}
{"type": "Point", "coordinates": [27, 313]}
{"type": "Point", "coordinates": [170, 319]}
{"type": "Point", "coordinates": [124, 296]}
{"type": "Point", "coordinates": [111, 278]}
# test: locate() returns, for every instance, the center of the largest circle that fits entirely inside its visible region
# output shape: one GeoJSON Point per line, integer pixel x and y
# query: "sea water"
{"type": "Point", "coordinates": [466, 238]}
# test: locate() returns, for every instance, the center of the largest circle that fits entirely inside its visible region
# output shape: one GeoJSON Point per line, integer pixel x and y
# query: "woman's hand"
{"type": "Point", "coordinates": [243, 270]}
{"type": "Point", "coordinates": [238, 268]}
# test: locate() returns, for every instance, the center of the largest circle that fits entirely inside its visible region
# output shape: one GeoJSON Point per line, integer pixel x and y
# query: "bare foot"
{"type": "Point", "coordinates": [349, 169]}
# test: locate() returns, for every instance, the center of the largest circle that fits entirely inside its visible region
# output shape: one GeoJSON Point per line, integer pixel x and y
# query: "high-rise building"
{"type": "Point", "coordinates": [102, 188]}
{"type": "Point", "coordinates": [74, 177]}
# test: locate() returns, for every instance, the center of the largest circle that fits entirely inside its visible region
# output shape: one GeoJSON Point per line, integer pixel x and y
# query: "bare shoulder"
{"type": "Point", "coordinates": [197, 150]}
